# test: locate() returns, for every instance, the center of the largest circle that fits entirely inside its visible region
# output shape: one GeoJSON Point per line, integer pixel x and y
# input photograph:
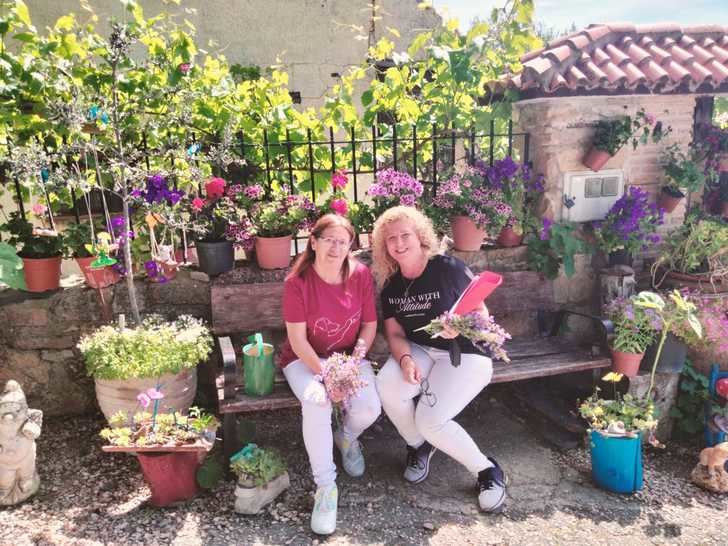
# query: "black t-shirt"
{"type": "Point", "coordinates": [415, 302]}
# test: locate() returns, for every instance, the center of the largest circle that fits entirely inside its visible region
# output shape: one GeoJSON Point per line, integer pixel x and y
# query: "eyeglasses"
{"type": "Point", "coordinates": [426, 395]}
{"type": "Point", "coordinates": [335, 242]}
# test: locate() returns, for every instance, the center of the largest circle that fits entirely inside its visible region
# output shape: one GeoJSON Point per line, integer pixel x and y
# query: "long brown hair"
{"type": "Point", "coordinates": [307, 257]}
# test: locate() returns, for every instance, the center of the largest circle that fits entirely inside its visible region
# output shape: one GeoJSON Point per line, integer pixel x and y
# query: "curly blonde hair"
{"type": "Point", "coordinates": [383, 265]}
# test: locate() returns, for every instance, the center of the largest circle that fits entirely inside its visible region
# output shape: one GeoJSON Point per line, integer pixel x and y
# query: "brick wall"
{"type": "Point", "coordinates": [562, 130]}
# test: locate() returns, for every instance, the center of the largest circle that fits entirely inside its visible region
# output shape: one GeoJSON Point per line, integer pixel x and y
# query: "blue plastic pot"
{"type": "Point", "coordinates": [616, 462]}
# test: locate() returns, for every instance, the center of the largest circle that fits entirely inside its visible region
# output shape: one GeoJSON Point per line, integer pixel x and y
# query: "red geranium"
{"type": "Point", "coordinates": [215, 188]}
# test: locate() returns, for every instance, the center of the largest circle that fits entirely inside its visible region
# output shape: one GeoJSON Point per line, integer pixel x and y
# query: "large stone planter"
{"type": "Point", "coordinates": [116, 395]}
{"type": "Point", "coordinates": [251, 500]}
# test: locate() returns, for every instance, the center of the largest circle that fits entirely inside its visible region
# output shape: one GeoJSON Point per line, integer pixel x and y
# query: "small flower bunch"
{"type": "Point", "coordinates": [635, 327]}
{"type": "Point", "coordinates": [625, 415]}
{"type": "Point", "coordinates": [520, 187]}
{"type": "Point", "coordinates": [480, 328]}
{"type": "Point", "coordinates": [467, 193]}
{"type": "Point", "coordinates": [278, 215]}
{"type": "Point", "coordinates": [341, 377]}
{"type": "Point", "coordinates": [630, 224]}
{"type": "Point", "coordinates": [157, 191]}
{"type": "Point", "coordinates": [394, 188]}
{"type": "Point", "coordinates": [336, 202]}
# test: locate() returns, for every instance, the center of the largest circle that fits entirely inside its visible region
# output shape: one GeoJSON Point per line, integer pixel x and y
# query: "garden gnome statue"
{"type": "Point", "coordinates": [711, 472]}
{"type": "Point", "coordinates": [19, 427]}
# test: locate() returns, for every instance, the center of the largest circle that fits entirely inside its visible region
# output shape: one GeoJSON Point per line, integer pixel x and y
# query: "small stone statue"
{"type": "Point", "coordinates": [711, 472]}
{"type": "Point", "coordinates": [19, 427]}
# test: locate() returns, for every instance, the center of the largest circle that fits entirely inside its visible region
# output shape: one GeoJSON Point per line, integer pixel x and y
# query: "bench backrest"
{"type": "Point", "coordinates": [249, 307]}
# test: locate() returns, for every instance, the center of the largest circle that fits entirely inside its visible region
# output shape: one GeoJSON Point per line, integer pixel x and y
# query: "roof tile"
{"type": "Point", "coordinates": [621, 56]}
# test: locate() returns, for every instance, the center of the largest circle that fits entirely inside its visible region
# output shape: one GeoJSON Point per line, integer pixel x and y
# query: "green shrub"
{"type": "Point", "coordinates": [155, 348]}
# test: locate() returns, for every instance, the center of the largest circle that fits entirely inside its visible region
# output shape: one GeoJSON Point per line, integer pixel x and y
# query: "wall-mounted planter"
{"type": "Point", "coordinates": [596, 159]}
{"type": "Point", "coordinates": [669, 199]}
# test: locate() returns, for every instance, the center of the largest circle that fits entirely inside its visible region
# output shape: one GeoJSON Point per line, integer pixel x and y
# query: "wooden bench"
{"type": "Point", "coordinates": [239, 306]}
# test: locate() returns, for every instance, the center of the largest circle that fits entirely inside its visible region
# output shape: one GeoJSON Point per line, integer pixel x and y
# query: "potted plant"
{"type": "Point", "coordinates": [521, 191]}
{"type": "Point", "coordinates": [261, 477]}
{"type": "Point", "coordinates": [694, 255]}
{"type": "Point", "coordinates": [612, 134]}
{"type": "Point", "coordinates": [79, 241]}
{"type": "Point", "coordinates": [630, 226]}
{"type": "Point", "coordinates": [616, 427]}
{"type": "Point", "coordinates": [392, 188]}
{"type": "Point", "coordinates": [170, 447]}
{"type": "Point", "coordinates": [634, 331]}
{"type": "Point", "coordinates": [39, 248]}
{"type": "Point", "coordinates": [154, 354]}
{"type": "Point", "coordinates": [470, 207]}
{"type": "Point", "coordinates": [214, 220]}
{"type": "Point", "coordinates": [273, 221]}
{"type": "Point", "coordinates": [556, 245]}
{"type": "Point", "coordinates": [685, 174]}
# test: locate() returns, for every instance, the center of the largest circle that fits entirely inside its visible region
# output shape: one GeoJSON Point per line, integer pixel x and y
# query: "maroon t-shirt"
{"type": "Point", "coordinates": [333, 313]}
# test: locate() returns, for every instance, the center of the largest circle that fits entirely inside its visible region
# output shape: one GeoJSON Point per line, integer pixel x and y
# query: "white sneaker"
{"type": "Point", "coordinates": [492, 488]}
{"type": "Point", "coordinates": [351, 455]}
{"type": "Point", "coordinates": [323, 517]}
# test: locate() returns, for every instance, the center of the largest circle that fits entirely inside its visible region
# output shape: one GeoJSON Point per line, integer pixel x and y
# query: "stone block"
{"type": "Point", "coordinates": [57, 356]}
{"type": "Point", "coordinates": [664, 393]}
{"type": "Point", "coordinates": [28, 313]}
{"type": "Point", "coordinates": [25, 367]}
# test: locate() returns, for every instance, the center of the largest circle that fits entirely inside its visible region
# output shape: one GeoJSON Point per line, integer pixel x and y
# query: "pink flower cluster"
{"type": "Point", "coordinates": [342, 378]}
{"type": "Point", "coordinates": [395, 188]}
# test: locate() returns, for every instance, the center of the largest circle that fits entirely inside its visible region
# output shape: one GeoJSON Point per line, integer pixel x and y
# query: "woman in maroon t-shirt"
{"type": "Point", "coordinates": [328, 306]}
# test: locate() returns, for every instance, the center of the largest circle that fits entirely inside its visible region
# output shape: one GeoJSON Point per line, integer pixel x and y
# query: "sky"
{"type": "Point", "coordinates": [560, 14]}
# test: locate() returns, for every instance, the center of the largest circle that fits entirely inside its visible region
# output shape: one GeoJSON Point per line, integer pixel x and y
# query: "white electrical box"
{"type": "Point", "coordinates": [589, 195]}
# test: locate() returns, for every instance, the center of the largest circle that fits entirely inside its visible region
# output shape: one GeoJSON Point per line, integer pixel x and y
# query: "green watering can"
{"type": "Point", "coordinates": [258, 368]}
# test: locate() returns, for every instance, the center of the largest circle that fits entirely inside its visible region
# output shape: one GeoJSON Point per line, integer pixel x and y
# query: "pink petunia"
{"type": "Point", "coordinates": [339, 180]}
{"type": "Point", "coordinates": [215, 188]}
{"type": "Point", "coordinates": [340, 206]}
{"type": "Point", "coordinates": [197, 204]}
{"type": "Point", "coordinates": [184, 68]}
{"type": "Point", "coordinates": [144, 400]}
{"type": "Point", "coordinates": [154, 394]}
{"type": "Point", "coordinates": [38, 209]}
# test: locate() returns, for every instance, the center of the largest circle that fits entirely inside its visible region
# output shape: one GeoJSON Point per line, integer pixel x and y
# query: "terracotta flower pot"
{"type": "Point", "coordinates": [596, 159]}
{"type": "Point", "coordinates": [97, 278]}
{"type": "Point", "coordinates": [723, 164]}
{"type": "Point", "coordinates": [669, 200]}
{"type": "Point", "coordinates": [509, 238]}
{"type": "Point", "coordinates": [273, 252]}
{"type": "Point", "coordinates": [466, 235]}
{"type": "Point", "coordinates": [626, 363]}
{"type": "Point", "coordinates": [42, 274]}
{"type": "Point", "coordinates": [172, 477]}
{"type": "Point", "coordinates": [724, 209]}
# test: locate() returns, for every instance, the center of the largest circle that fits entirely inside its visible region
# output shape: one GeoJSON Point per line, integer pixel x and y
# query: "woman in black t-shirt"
{"type": "Point", "coordinates": [418, 285]}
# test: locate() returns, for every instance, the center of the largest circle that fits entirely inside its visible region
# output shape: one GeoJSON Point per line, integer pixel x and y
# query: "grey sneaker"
{"type": "Point", "coordinates": [323, 517]}
{"type": "Point", "coordinates": [351, 456]}
{"type": "Point", "coordinates": [418, 462]}
{"type": "Point", "coordinates": [492, 488]}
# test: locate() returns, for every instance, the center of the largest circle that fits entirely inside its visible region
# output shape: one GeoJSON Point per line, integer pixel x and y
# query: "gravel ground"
{"type": "Point", "coordinates": [89, 497]}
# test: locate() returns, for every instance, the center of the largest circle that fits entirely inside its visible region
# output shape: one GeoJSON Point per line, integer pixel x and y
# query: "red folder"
{"type": "Point", "coordinates": [479, 288]}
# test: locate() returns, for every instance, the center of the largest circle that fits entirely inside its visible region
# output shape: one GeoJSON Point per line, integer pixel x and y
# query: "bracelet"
{"type": "Point", "coordinates": [402, 358]}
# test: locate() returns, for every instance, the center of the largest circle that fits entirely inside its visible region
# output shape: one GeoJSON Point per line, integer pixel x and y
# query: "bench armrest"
{"type": "Point", "coordinates": [229, 366]}
{"type": "Point", "coordinates": [604, 327]}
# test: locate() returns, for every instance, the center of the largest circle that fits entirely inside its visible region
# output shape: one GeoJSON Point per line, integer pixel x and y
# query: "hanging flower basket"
{"type": "Point", "coordinates": [596, 159]}
{"type": "Point", "coordinates": [669, 199]}
{"type": "Point", "coordinates": [97, 278]}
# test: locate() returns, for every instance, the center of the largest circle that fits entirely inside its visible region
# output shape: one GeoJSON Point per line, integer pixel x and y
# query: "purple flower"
{"type": "Point", "coordinates": [546, 229]}
{"type": "Point", "coordinates": [253, 192]}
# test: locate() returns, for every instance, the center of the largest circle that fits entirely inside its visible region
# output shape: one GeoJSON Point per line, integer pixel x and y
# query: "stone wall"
{"type": "Point", "coordinates": [562, 130]}
{"type": "Point", "coordinates": [38, 335]}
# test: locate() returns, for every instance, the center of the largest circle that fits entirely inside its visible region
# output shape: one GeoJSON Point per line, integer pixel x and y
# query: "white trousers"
{"type": "Point", "coordinates": [450, 390]}
{"type": "Point", "coordinates": [316, 411]}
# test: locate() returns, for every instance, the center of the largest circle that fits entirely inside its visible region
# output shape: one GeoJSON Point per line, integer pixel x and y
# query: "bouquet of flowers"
{"type": "Point", "coordinates": [341, 377]}
{"type": "Point", "coordinates": [480, 328]}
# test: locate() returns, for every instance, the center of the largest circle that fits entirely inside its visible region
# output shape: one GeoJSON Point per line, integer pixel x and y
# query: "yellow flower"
{"type": "Point", "coordinates": [613, 377]}
{"type": "Point", "coordinates": [598, 411]}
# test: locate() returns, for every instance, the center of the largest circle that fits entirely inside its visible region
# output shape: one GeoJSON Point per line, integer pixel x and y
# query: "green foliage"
{"type": "Point", "coordinates": [699, 245]}
{"type": "Point", "coordinates": [256, 465]}
{"type": "Point", "coordinates": [23, 237]}
{"type": "Point", "coordinates": [557, 244]}
{"type": "Point", "coordinates": [634, 326]}
{"type": "Point", "coordinates": [243, 73]}
{"type": "Point", "coordinates": [154, 348]}
{"type": "Point", "coordinates": [76, 237]}
{"type": "Point", "coordinates": [637, 414]}
{"type": "Point", "coordinates": [212, 471]}
{"type": "Point", "coordinates": [145, 429]}
{"type": "Point", "coordinates": [688, 411]}
{"type": "Point", "coordinates": [612, 134]}
{"type": "Point", "coordinates": [361, 216]}
{"type": "Point", "coordinates": [684, 170]}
